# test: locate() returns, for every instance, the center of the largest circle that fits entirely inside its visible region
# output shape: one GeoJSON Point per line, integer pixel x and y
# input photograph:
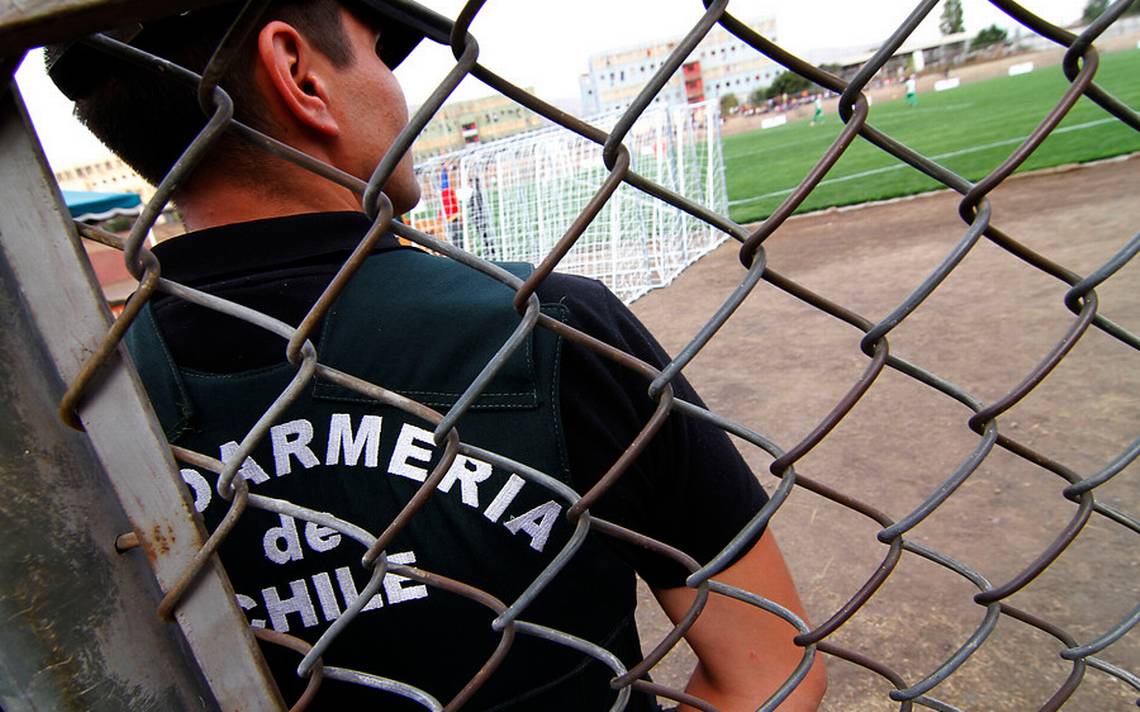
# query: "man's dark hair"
{"type": "Point", "coordinates": [149, 119]}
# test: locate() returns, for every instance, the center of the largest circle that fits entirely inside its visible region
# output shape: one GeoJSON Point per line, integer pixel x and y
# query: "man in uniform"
{"type": "Point", "coordinates": [817, 117]}
{"type": "Point", "coordinates": [270, 235]}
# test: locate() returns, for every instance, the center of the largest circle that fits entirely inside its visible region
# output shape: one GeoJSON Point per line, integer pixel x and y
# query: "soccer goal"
{"type": "Point", "coordinates": [513, 199]}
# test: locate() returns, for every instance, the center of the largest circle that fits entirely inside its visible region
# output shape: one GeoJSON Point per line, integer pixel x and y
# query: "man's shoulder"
{"type": "Point", "coordinates": [573, 291]}
{"type": "Point", "coordinates": [593, 309]}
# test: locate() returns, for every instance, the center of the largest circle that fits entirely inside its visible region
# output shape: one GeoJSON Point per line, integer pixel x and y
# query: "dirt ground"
{"type": "Point", "coordinates": [779, 366]}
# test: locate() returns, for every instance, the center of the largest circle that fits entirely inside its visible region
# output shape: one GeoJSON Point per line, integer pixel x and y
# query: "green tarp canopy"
{"type": "Point", "coordinates": [85, 205]}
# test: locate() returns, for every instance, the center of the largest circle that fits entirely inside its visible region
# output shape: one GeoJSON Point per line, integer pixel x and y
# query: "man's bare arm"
{"type": "Point", "coordinates": [744, 653]}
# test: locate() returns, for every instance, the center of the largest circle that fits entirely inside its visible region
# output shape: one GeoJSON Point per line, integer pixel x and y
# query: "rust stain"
{"type": "Point", "coordinates": [160, 542]}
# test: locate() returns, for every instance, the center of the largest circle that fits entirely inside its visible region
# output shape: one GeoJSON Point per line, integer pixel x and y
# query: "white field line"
{"type": "Point", "coordinates": [897, 166]}
{"type": "Point", "coordinates": [879, 119]}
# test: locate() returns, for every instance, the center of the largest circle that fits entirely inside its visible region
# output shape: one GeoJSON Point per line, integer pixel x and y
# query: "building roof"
{"type": "Point", "coordinates": [909, 46]}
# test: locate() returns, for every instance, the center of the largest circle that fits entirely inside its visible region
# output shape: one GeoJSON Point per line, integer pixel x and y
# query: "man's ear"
{"type": "Point", "coordinates": [295, 79]}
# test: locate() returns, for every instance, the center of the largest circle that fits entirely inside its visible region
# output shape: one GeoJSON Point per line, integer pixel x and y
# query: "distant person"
{"type": "Point", "coordinates": [479, 221]}
{"type": "Point", "coordinates": [911, 91]}
{"type": "Point", "coordinates": [818, 116]}
{"type": "Point", "coordinates": [452, 216]}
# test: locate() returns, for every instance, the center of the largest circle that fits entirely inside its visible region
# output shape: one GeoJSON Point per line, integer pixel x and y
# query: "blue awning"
{"type": "Point", "coordinates": [85, 205]}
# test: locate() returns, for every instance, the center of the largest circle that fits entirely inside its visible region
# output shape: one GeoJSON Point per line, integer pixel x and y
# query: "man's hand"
{"type": "Point", "coordinates": [745, 653]}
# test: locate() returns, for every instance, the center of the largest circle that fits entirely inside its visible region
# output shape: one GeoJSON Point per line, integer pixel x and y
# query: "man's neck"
{"type": "Point", "coordinates": [213, 200]}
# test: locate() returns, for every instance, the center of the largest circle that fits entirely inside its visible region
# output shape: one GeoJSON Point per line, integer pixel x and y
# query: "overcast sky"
{"type": "Point", "coordinates": [545, 45]}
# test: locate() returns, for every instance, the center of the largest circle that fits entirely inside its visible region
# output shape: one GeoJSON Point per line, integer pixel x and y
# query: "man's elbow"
{"type": "Point", "coordinates": [809, 693]}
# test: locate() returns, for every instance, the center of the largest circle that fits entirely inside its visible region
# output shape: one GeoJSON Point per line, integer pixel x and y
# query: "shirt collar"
{"type": "Point", "coordinates": [207, 255]}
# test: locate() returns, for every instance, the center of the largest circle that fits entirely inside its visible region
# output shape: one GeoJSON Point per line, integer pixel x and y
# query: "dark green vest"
{"type": "Point", "coordinates": [423, 326]}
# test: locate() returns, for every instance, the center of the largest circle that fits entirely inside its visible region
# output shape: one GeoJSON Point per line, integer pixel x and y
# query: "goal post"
{"type": "Point", "coordinates": [511, 199]}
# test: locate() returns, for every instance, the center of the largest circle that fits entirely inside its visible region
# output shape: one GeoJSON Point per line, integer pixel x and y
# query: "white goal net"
{"type": "Point", "coordinates": [511, 200]}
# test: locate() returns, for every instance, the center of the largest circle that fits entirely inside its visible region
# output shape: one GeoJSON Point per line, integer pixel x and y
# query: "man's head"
{"type": "Point", "coordinates": [311, 75]}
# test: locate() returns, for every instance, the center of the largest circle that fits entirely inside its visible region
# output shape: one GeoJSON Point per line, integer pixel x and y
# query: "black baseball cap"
{"type": "Point", "coordinates": [408, 23]}
{"type": "Point", "coordinates": [76, 67]}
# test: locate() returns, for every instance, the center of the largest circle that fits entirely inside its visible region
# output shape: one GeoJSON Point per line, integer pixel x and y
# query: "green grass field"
{"type": "Point", "coordinates": [970, 130]}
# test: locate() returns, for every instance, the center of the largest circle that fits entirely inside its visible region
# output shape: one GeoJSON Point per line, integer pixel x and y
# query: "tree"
{"type": "Point", "coordinates": [951, 21]}
{"type": "Point", "coordinates": [988, 36]}
{"type": "Point", "coordinates": [1093, 10]}
{"type": "Point", "coordinates": [787, 83]}
{"type": "Point", "coordinates": [758, 96]}
{"type": "Point", "coordinates": [728, 102]}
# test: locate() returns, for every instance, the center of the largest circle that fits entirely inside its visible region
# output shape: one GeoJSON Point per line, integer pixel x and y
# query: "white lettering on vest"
{"type": "Point", "coordinates": [203, 493]}
{"type": "Point", "coordinates": [249, 469]}
{"type": "Point", "coordinates": [504, 498]}
{"type": "Point", "coordinates": [248, 604]}
{"type": "Point", "coordinates": [366, 440]}
{"type": "Point", "coordinates": [298, 603]}
{"type": "Point", "coordinates": [327, 596]}
{"type": "Point", "coordinates": [406, 449]}
{"type": "Point", "coordinates": [350, 593]}
{"type": "Point", "coordinates": [282, 543]}
{"type": "Point", "coordinates": [537, 522]}
{"type": "Point", "coordinates": [394, 584]}
{"type": "Point", "coordinates": [469, 472]}
{"type": "Point", "coordinates": [396, 589]}
{"type": "Point", "coordinates": [321, 538]}
{"type": "Point", "coordinates": [292, 439]}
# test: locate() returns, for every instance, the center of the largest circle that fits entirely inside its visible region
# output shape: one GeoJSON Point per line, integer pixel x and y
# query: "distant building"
{"type": "Point", "coordinates": [940, 54]}
{"type": "Point", "coordinates": [109, 175]}
{"type": "Point", "coordinates": [459, 124]}
{"type": "Point", "coordinates": [721, 64]}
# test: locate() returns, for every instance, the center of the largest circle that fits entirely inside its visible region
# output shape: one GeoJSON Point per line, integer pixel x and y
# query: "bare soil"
{"type": "Point", "coordinates": [780, 365]}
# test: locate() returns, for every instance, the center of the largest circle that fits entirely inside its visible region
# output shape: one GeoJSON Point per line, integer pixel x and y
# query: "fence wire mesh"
{"type": "Point", "coordinates": [1080, 66]}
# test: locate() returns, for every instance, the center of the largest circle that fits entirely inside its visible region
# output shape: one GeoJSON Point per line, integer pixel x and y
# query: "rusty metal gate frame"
{"type": "Point", "coordinates": [1079, 66]}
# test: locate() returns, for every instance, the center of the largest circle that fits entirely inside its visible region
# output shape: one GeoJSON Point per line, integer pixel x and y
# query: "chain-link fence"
{"type": "Point", "coordinates": [976, 211]}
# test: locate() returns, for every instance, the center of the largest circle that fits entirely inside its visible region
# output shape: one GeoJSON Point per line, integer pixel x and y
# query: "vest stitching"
{"type": "Point", "coordinates": [477, 406]}
{"type": "Point", "coordinates": [253, 373]}
{"type": "Point", "coordinates": [563, 315]}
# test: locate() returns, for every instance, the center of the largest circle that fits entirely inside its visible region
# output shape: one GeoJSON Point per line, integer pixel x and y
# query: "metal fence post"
{"type": "Point", "coordinates": [59, 519]}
